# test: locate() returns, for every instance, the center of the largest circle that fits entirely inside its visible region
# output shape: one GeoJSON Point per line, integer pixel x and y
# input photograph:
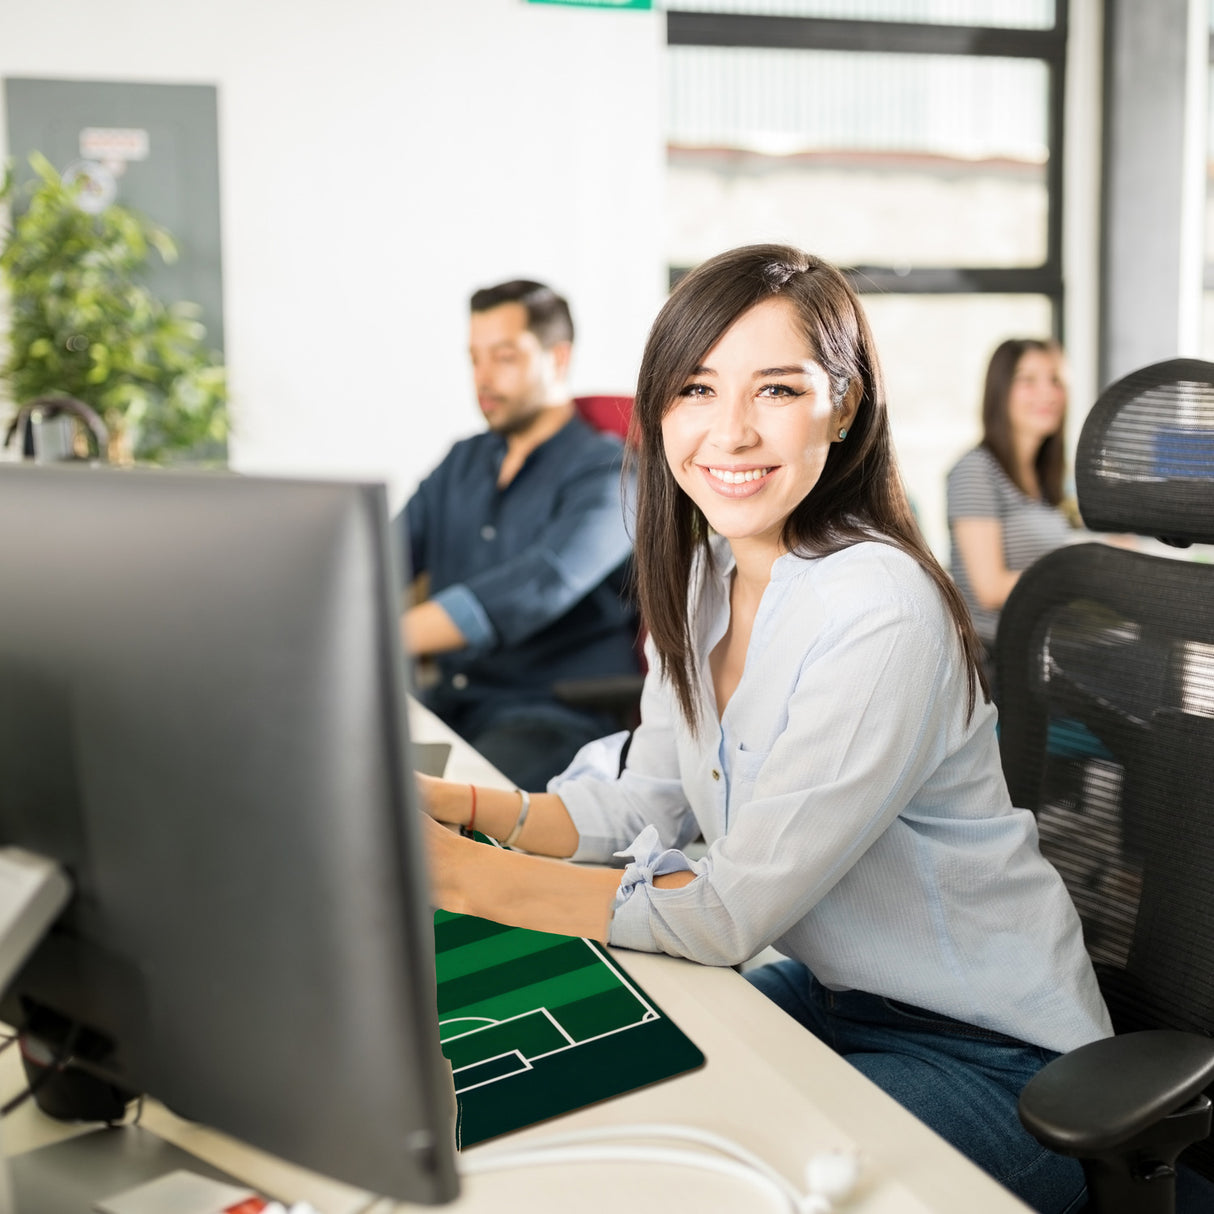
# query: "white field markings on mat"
{"type": "Point", "coordinates": [649, 1013]}
{"type": "Point", "coordinates": [524, 1064]}
{"type": "Point", "coordinates": [485, 1023]}
{"type": "Point", "coordinates": [477, 1022]}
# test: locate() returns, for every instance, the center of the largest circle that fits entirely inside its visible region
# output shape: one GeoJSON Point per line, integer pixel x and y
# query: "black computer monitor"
{"type": "Point", "coordinates": [202, 719]}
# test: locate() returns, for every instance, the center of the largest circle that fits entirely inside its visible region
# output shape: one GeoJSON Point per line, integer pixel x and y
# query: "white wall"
{"type": "Point", "coordinates": [379, 160]}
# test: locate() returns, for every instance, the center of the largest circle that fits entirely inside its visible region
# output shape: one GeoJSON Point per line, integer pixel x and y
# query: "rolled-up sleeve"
{"type": "Point", "coordinates": [468, 616]}
{"type": "Point", "coordinates": [867, 721]}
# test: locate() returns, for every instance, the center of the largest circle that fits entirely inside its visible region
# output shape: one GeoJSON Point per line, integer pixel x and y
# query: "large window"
{"type": "Point", "coordinates": [916, 143]}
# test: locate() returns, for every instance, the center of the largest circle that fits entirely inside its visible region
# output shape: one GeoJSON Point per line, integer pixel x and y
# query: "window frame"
{"type": "Point", "coordinates": [1207, 284]}
{"type": "Point", "coordinates": [1048, 45]}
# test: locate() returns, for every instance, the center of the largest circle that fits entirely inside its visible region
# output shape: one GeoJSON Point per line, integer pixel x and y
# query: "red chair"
{"type": "Point", "coordinates": [611, 414]}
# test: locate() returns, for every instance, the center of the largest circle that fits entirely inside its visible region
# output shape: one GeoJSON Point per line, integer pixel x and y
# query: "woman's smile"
{"type": "Point", "coordinates": [748, 434]}
{"type": "Point", "coordinates": [737, 482]}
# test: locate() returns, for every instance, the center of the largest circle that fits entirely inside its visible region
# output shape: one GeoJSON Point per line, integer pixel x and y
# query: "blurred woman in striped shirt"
{"type": "Point", "coordinates": [1005, 497]}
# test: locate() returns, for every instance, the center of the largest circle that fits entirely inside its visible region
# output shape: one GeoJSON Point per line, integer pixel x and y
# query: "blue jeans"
{"type": "Point", "coordinates": [960, 1080]}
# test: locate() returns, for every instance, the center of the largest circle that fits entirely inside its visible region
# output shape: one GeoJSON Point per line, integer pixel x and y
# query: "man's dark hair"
{"type": "Point", "coordinates": [548, 315]}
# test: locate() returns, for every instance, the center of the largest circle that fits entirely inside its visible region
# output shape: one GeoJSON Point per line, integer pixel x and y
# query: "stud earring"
{"type": "Point", "coordinates": [842, 433]}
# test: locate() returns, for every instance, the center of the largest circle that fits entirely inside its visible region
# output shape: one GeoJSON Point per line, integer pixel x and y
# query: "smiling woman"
{"type": "Point", "coordinates": [747, 436]}
{"type": "Point", "coordinates": [793, 329]}
{"type": "Point", "coordinates": [813, 711]}
{"type": "Point", "coordinates": [746, 439]}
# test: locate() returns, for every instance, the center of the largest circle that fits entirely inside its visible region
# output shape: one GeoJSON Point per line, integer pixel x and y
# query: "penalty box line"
{"type": "Point", "coordinates": [492, 1024]}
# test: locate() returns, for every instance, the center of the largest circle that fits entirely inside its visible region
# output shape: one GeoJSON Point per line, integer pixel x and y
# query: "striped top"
{"type": "Point", "coordinates": [979, 488]}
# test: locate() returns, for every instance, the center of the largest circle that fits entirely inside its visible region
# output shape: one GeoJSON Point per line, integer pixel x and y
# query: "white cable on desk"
{"type": "Point", "coordinates": [831, 1178]}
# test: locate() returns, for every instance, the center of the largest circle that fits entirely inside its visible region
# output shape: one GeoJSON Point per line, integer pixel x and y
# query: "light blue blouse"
{"type": "Point", "coordinates": [855, 818]}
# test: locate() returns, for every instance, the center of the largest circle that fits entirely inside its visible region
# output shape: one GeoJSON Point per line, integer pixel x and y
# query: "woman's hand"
{"type": "Point", "coordinates": [549, 830]}
{"type": "Point", "coordinates": [509, 887]}
{"type": "Point", "coordinates": [445, 853]}
{"type": "Point", "coordinates": [445, 800]}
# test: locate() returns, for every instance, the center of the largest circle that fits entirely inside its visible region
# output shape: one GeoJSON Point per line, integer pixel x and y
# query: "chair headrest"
{"type": "Point", "coordinates": [1145, 460]}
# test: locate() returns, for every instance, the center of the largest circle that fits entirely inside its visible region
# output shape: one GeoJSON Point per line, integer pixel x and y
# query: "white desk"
{"type": "Point", "coordinates": [767, 1084]}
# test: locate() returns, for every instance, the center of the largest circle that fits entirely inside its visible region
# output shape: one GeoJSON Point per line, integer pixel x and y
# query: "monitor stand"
{"type": "Point", "coordinates": [68, 1177]}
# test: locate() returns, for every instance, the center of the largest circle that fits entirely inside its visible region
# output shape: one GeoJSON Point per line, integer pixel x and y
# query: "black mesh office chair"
{"type": "Point", "coordinates": [1105, 661]}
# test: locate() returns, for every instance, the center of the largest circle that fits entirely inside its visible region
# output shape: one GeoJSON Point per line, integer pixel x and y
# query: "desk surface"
{"type": "Point", "coordinates": [767, 1084]}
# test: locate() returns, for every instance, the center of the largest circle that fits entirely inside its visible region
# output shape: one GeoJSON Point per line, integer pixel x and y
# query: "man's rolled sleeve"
{"type": "Point", "coordinates": [469, 617]}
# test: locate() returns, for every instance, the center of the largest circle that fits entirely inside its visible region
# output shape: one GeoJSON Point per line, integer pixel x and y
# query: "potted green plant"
{"type": "Point", "coordinates": [82, 325]}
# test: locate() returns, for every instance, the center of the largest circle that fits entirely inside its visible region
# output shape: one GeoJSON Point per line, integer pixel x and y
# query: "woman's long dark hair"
{"type": "Point", "coordinates": [859, 495]}
{"type": "Point", "coordinates": [1050, 464]}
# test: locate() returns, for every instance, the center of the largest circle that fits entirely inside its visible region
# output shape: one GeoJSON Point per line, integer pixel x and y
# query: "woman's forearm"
{"type": "Point", "coordinates": [548, 830]}
{"type": "Point", "coordinates": [521, 890]}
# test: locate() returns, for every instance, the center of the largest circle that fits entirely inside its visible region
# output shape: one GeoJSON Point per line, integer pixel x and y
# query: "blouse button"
{"type": "Point", "coordinates": [459, 681]}
{"type": "Point", "coordinates": [716, 775]}
{"type": "Point", "coordinates": [488, 531]}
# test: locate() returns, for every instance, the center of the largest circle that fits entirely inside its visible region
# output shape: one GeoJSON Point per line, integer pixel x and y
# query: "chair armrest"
{"type": "Point", "coordinates": [1103, 1094]}
{"type": "Point", "coordinates": [607, 693]}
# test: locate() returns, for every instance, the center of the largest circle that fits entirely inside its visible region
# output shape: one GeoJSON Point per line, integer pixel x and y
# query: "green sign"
{"type": "Point", "coordinates": [648, 4]}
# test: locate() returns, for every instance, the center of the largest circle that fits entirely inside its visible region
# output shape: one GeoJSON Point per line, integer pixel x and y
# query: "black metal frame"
{"type": "Point", "coordinates": [830, 34]}
{"type": "Point", "coordinates": [1208, 275]}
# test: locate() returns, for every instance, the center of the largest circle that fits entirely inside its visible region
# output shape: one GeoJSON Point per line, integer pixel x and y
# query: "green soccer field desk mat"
{"type": "Point", "coordinates": [536, 1024]}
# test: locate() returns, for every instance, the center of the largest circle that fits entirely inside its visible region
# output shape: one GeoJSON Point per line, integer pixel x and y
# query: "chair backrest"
{"type": "Point", "coordinates": [53, 428]}
{"type": "Point", "coordinates": [1105, 661]}
{"type": "Point", "coordinates": [612, 414]}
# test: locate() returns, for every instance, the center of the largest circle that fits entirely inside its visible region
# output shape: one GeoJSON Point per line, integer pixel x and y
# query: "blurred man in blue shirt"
{"type": "Point", "coordinates": [522, 533]}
